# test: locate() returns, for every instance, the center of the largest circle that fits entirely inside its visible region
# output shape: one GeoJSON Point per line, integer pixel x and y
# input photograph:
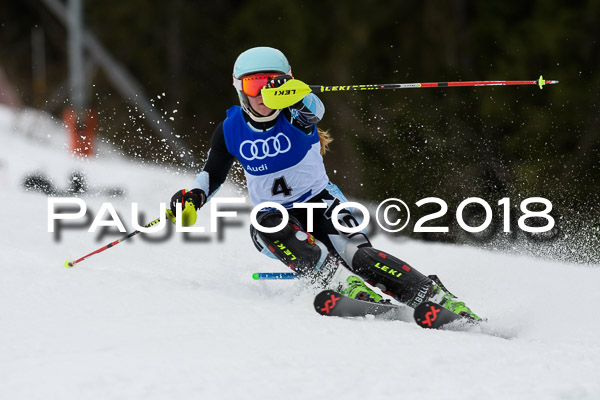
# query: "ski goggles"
{"type": "Point", "coordinates": [251, 85]}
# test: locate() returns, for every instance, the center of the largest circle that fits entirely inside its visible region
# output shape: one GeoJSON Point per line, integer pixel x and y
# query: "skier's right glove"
{"type": "Point", "coordinates": [191, 200]}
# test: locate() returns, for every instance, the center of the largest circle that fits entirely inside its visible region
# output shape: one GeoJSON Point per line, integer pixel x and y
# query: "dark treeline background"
{"type": "Point", "coordinates": [453, 143]}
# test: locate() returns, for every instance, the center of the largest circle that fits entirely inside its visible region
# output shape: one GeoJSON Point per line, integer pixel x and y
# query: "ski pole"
{"type": "Point", "coordinates": [273, 275]}
{"type": "Point", "coordinates": [294, 90]}
{"type": "Point", "coordinates": [71, 264]}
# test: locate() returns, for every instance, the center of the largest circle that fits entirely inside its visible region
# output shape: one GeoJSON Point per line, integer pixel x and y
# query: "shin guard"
{"type": "Point", "coordinates": [296, 248]}
{"type": "Point", "coordinates": [399, 279]}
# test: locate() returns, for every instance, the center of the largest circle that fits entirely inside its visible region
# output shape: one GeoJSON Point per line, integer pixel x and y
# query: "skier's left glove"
{"type": "Point", "coordinates": [191, 200]}
{"type": "Point", "coordinates": [278, 81]}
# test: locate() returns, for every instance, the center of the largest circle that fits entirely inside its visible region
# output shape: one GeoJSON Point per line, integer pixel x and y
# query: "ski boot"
{"type": "Point", "coordinates": [440, 295]}
{"type": "Point", "coordinates": [357, 289]}
{"type": "Point", "coordinates": [344, 281]}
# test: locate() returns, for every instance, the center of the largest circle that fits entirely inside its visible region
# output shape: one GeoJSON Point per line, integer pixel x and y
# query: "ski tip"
{"type": "Point", "coordinates": [326, 301]}
{"type": "Point", "coordinates": [256, 276]}
{"type": "Point", "coordinates": [69, 264]}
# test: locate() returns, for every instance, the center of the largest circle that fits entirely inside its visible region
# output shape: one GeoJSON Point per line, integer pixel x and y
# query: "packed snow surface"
{"type": "Point", "coordinates": [176, 319]}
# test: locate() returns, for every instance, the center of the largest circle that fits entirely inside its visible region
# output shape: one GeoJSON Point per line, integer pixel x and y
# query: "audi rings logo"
{"type": "Point", "coordinates": [262, 148]}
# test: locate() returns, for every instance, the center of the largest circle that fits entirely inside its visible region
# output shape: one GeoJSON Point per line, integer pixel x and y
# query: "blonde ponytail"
{"type": "Point", "coordinates": [325, 138]}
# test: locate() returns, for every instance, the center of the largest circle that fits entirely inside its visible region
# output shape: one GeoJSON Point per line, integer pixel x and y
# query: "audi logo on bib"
{"type": "Point", "coordinates": [262, 148]}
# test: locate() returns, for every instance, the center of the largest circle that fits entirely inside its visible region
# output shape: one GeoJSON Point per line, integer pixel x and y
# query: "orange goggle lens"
{"type": "Point", "coordinates": [252, 84]}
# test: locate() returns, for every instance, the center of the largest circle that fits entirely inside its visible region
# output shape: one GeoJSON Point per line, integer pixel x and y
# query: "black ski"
{"type": "Point", "coordinates": [433, 316]}
{"type": "Point", "coordinates": [332, 303]}
{"type": "Point", "coordinates": [427, 314]}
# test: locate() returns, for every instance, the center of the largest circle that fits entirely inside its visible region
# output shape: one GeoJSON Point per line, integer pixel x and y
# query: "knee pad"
{"type": "Point", "coordinates": [296, 248]}
{"type": "Point", "coordinates": [399, 278]}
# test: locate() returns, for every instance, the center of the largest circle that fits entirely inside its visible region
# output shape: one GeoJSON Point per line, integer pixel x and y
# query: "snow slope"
{"type": "Point", "coordinates": [175, 319]}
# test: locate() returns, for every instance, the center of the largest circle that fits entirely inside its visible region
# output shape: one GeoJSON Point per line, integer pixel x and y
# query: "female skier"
{"type": "Point", "coordinates": [281, 153]}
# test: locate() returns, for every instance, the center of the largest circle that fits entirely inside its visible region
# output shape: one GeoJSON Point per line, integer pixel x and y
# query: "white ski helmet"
{"type": "Point", "coordinates": [257, 59]}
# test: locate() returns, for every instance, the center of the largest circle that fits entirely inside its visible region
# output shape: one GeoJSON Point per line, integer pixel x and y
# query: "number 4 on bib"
{"type": "Point", "coordinates": [280, 186]}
